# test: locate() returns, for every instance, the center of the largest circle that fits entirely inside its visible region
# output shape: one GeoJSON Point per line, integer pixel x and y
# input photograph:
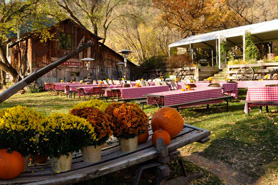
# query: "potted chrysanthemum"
{"type": "Point", "coordinates": [103, 129]}
{"type": "Point", "coordinates": [19, 129]}
{"type": "Point", "coordinates": [94, 103]}
{"type": "Point", "coordinates": [130, 121]}
{"type": "Point", "coordinates": [62, 134]}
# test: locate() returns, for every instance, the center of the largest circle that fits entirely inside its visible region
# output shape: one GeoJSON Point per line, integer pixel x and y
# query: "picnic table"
{"type": "Point", "coordinates": [261, 96]}
{"type": "Point", "coordinates": [133, 92]}
{"type": "Point", "coordinates": [178, 96]}
{"type": "Point", "coordinates": [94, 90]}
{"type": "Point", "coordinates": [113, 160]}
{"type": "Point", "coordinates": [257, 83]}
{"type": "Point", "coordinates": [227, 88]}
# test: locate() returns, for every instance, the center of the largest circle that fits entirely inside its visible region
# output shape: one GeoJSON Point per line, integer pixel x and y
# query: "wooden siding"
{"type": "Point", "coordinates": [41, 54]}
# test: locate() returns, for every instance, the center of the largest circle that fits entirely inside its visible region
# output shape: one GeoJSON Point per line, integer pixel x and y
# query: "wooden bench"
{"type": "Point", "coordinates": [131, 99]}
{"type": "Point", "coordinates": [142, 102]}
{"type": "Point", "coordinates": [114, 160]}
{"type": "Point", "coordinates": [93, 91]}
{"type": "Point", "coordinates": [226, 98]}
{"type": "Point", "coordinates": [266, 104]}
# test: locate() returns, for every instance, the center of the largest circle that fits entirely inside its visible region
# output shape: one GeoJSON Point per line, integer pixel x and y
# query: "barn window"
{"type": "Point", "coordinates": [65, 41]}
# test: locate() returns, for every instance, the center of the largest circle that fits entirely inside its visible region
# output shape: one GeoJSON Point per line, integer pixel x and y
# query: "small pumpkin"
{"type": "Point", "coordinates": [11, 164]}
{"type": "Point", "coordinates": [168, 119]}
{"type": "Point", "coordinates": [161, 134]}
{"type": "Point", "coordinates": [142, 138]}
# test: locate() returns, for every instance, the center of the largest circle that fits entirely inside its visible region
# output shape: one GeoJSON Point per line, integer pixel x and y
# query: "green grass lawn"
{"type": "Point", "coordinates": [248, 144]}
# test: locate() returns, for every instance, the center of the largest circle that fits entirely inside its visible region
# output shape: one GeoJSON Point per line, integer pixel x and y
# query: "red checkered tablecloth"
{"type": "Point", "coordinates": [261, 94]}
{"type": "Point", "coordinates": [227, 88]}
{"type": "Point", "coordinates": [139, 92]}
{"type": "Point", "coordinates": [178, 96]}
{"type": "Point", "coordinates": [247, 84]}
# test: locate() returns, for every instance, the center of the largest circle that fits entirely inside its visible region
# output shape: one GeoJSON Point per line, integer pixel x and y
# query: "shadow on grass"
{"type": "Point", "coordinates": [250, 146]}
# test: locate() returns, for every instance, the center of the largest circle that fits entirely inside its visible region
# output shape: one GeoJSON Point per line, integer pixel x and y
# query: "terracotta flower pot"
{"type": "Point", "coordinates": [40, 159]}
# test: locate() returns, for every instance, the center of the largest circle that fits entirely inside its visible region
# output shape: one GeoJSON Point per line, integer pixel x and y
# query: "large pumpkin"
{"type": "Point", "coordinates": [11, 164]}
{"type": "Point", "coordinates": [161, 134]}
{"type": "Point", "coordinates": [168, 119]}
{"type": "Point", "coordinates": [142, 138]}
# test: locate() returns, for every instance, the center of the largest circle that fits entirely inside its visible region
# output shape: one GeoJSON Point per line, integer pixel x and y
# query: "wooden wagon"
{"type": "Point", "coordinates": [113, 160]}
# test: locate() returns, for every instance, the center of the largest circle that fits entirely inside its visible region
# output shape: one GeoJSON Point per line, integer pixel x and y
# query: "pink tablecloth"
{"type": "Point", "coordinates": [261, 94]}
{"type": "Point", "coordinates": [132, 92]}
{"type": "Point", "coordinates": [227, 88]}
{"type": "Point", "coordinates": [178, 96]}
{"type": "Point", "coordinates": [247, 84]}
{"type": "Point", "coordinates": [74, 87]}
{"type": "Point", "coordinates": [95, 89]}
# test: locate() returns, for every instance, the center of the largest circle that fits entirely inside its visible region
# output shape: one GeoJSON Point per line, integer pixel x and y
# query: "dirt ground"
{"type": "Point", "coordinates": [226, 174]}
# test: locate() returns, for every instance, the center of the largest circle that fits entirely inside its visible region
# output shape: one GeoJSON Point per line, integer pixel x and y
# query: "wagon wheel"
{"type": "Point", "coordinates": [152, 76]}
{"type": "Point", "coordinates": [245, 73]}
{"type": "Point", "coordinates": [274, 75]}
{"type": "Point", "coordinates": [145, 76]}
{"type": "Point", "coordinates": [182, 74]}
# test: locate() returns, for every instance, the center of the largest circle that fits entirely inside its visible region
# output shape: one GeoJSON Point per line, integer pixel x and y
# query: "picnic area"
{"type": "Point", "coordinates": [145, 92]}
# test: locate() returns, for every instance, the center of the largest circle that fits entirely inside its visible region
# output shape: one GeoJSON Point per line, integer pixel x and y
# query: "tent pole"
{"type": "Point", "coordinates": [191, 52]}
{"type": "Point", "coordinates": [243, 46]}
{"type": "Point", "coordinates": [212, 58]}
{"type": "Point", "coordinates": [219, 53]}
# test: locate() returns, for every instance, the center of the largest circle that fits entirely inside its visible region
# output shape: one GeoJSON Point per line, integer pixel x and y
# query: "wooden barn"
{"type": "Point", "coordinates": [29, 54]}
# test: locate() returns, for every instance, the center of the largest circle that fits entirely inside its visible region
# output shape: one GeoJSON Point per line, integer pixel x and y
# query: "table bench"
{"type": "Point", "coordinates": [261, 96]}
{"type": "Point", "coordinates": [114, 160]}
{"type": "Point", "coordinates": [226, 98]}
{"type": "Point", "coordinates": [263, 103]}
{"type": "Point", "coordinates": [132, 99]}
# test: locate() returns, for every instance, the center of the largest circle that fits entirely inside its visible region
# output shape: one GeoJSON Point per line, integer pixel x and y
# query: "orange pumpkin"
{"type": "Point", "coordinates": [161, 134]}
{"type": "Point", "coordinates": [168, 119]}
{"type": "Point", "coordinates": [142, 138]}
{"type": "Point", "coordinates": [11, 164]}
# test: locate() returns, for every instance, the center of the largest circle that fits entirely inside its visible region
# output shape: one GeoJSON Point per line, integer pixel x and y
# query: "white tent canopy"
{"type": "Point", "coordinates": [265, 31]}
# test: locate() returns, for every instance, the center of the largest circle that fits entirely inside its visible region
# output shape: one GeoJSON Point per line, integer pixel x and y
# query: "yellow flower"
{"type": "Point", "coordinates": [227, 79]}
{"type": "Point", "coordinates": [209, 79]}
{"type": "Point", "coordinates": [123, 79]}
{"type": "Point", "coordinates": [266, 76]}
{"type": "Point", "coordinates": [187, 86]}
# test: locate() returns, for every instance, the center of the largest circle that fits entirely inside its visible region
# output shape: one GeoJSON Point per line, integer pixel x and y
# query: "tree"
{"type": "Point", "coordinates": [96, 16]}
{"type": "Point", "coordinates": [142, 30]}
{"type": "Point", "coordinates": [197, 16]}
{"type": "Point", "coordinates": [18, 16]}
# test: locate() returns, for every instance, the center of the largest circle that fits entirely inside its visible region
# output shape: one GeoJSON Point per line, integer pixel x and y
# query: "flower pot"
{"type": "Point", "coordinates": [91, 154]}
{"type": "Point", "coordinates": [129, 145]}
{"type": "Point", "coordinates": [26, 162]}
{"type": "Point", "coordinates": [40, 159]}
{"type": "Point", "coordinates": [61, 164]}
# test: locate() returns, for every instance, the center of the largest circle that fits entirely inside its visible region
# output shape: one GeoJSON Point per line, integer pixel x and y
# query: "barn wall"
{"type": "Point", "coordinates": [41, 54]}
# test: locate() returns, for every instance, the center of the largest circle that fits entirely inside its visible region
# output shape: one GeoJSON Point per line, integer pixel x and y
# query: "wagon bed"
{"type": "Point", "coordinates": [112, 160]}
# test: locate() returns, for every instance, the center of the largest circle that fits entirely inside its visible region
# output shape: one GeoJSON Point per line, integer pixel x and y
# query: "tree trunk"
{"type": "Point", "coordinates": [5, 65]}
